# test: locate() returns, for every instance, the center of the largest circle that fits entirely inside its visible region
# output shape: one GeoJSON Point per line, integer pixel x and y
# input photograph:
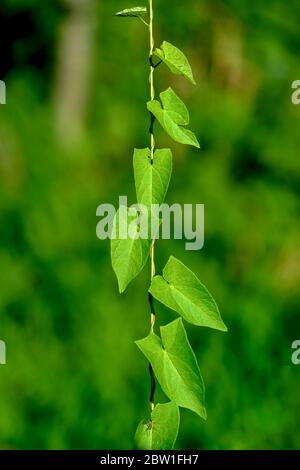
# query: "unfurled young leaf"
{"type": "Point", "coordinates": [129, 254]}
{"type": "Point", "coordinates": [172, 116]}
{"type": "Point", "coordinates": [175, 366]}
{"type": "Point", "coordinates": [180, 290]}
{"type": "Point", "coordinates": [175, 60]}
{"type": "Point", "coordinates": [152, 178]}
{"type": "Point", "coordinates": [134, 12]}
{"type": "Point", "coordinates": [160, 431]}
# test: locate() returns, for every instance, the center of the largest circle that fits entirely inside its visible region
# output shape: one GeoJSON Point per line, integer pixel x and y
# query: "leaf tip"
{"type": "Point", "coordinates": [224, 328]}
{"type": "Point", "coordinates": [171, 260]}
{"type": "Point", "coordinates": [122, 288]}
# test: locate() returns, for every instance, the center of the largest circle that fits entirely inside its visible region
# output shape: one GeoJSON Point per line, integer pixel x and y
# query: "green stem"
{"type": "Point", "coordinates": [152, 68]}
{"type": "Point", "coordinates": [143, 21]}
{"type": "Point", "coordinates": [152, 150]}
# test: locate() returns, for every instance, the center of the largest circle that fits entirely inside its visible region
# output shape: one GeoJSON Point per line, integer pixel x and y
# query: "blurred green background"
{"type": "Point", "coordinates": [77, 84]}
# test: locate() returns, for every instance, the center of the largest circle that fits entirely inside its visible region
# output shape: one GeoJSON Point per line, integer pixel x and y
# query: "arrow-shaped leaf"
{"type": "Point", "coordinates": [175, 60]}
{"type": "Point", "coordinates": [134, 12]}
{"type": "Point", "coordinates": [160, 431]}
{"type": "Point", "coordinates": [172, 116]}
{"type": "Point", "coordinates": [129, 253]}
{"type": "Point", "coordinates": [180, 290]}
{"type": "Point", "coordinates": [175, 366]}
{"type": "Point", "coordinates": [152, 178]}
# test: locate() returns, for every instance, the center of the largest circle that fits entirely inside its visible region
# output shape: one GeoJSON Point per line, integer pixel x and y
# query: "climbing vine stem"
{"type": "Point", "coordinates": [172, 362]}
{"type": "Point", "coordinates": [152, 149]}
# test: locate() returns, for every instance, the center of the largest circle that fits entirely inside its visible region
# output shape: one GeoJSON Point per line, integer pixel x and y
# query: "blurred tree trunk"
{"type": "Point", "coordinates": [73, 74]}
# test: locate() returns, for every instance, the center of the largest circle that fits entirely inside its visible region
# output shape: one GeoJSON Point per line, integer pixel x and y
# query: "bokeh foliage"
{"type": "Point", "coordinates": [74, 378]}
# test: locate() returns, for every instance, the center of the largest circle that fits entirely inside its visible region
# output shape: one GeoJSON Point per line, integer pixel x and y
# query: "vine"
{"type": "Point", "coordinates": [172, 362]}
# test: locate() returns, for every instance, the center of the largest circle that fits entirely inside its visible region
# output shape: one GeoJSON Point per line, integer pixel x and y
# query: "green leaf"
{"type": "Point", "coordinates": [180, 290]}
{"type": "Point", "coordinates": [175, 60]}
{"type": "Point", "coordinates": [134, 12]}
{"type": "Point", "coordinates": [161, 430]}
{"type": "Point", "coordinates": [128, 255]}
{"type": "Point", "coordinates": [152, 179]}
{"type": "Point", "coordinates": [175, 366]}
{"type": "Point", "coordinates": [172, 116]}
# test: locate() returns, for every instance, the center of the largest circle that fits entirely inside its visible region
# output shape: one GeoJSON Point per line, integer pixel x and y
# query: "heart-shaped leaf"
{"type": "Point", "coordinates": [175, 60]}
{"type": "Point", "coordinates": [134, 12]}
{"type": "Point", "coordinates": [172, 116]}
{"type": "Point", "coordinates": [152, 178]}
{"type": "Point", "coordinates": [161, 430]}
{"type": "Point", "coordinates": [129, 252]}
{"type": "Point", "coordinates": [175, 366]}
{"type": "Point", "coordinates": [180, 290]}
